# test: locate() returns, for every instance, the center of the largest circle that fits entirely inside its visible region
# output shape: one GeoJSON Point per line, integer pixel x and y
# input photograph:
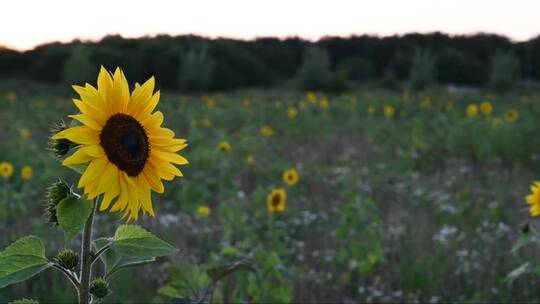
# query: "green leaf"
{"type": "Point", "coordinates": [24, 301]}
{"type": "Point", "coordinates": [22, 260]}
{"type": "Point", "coordinates": [134, 241]}
{"type": "Point", "coordinates": [114, 261]}
{"type": "Point", "coordinates": [72, 215]}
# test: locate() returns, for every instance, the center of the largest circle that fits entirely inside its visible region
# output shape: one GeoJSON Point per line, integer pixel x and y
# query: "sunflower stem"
{"type": "Point", "coordinates": [86, 258]}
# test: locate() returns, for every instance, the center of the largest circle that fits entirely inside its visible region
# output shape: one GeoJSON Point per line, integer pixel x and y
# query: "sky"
{"type": "Point", "coordinates": [25, 24]}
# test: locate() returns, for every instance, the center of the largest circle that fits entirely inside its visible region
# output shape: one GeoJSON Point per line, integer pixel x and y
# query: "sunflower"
{"type": "Point", "coordinates": [486, 108]}
{"type": "Point", "coordinates": [25, 133]}
{"type": "Point", "coordinates": [533, 199]}
{"type": "Point", "coordinates": [121, 139]}
{"type": "Point", "coordinates": [388, 111]}
{"type": "Point", "coordinates": [324, 103]}
{"type": "Point", "coordinates": [204, 211]}
{"type": "Point", "coordinates": [6, 169]}
{"type": "Point", "coordinates": [267, 131]}
{"type": "Point", "coordinates": [511, 115]}
{"type": "Point", "coordinates": [292, 112]}
{"type": "Point", "coordinates": [276, 200]}
{"type": "Point", "coordinates": [311, 97]}
{"type": "Point", "coordinates": [27, 173]}
{"type": "Point", "coordinates": [224, 146]}
{"type": "Point", "coordinates": [472, 110]}
{"type": "Point", "coordinates": [290, 177]}
{"type": "Point", "coordinates": [250, 160]}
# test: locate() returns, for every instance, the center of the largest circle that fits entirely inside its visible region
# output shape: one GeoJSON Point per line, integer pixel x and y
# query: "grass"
{"type": "Point", "coordinates": [424, 205]}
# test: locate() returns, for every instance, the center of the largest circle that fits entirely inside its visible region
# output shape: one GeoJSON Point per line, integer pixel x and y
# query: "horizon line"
{"type": "Point", "coordinates": [256, 37]}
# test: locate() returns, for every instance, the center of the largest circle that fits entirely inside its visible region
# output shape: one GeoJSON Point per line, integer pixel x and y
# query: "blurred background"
{"type": "Point", "coordinates": [411, 124]}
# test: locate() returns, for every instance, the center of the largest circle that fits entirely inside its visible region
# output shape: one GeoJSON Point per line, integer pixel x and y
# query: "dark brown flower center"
{"type": "Point", "coordinates": [126, 144]}
{"type": "Point", "coordinates": [276, 200]}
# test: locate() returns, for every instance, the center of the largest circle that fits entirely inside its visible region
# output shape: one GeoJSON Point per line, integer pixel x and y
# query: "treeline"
{"type": "Point", "coordinates": [195, 63]}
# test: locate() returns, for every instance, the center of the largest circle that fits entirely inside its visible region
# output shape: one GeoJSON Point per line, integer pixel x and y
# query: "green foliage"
{"type": "Point", "coordinates": [79, 69]}
{"type": "Point", "coordinates": [357, 68]}
{"type": "Point", "coordinates": [196, 70]}
{"type": "Point", "coordinates": [314, 74]}
{"type": "Point", "coordinates": [134, 241]}
{"type": "Point", "coordinates": [72, 214]}
{"type": "Point", "coordinates": [423, 71]}
{"type": "Point", "coordinates": [115, 261]}
{"type": "Point", "coordinates": [22, 260]}
{"type": "Point", "coordinates": [24, 301]}
{"type": "Point", "coordinates": [505, 74]}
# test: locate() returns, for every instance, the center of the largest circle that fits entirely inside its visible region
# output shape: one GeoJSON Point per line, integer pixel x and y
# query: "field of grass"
{"type": "Point", "coordinates": [401, 196]}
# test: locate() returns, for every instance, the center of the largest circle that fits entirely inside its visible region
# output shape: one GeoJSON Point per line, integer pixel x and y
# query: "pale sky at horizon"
{"type": "Point", "coordinates": [25, 24]}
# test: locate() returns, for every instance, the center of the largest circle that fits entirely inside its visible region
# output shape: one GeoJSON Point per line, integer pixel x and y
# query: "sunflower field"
{"type": "Point", "coordinates": [292, 196]}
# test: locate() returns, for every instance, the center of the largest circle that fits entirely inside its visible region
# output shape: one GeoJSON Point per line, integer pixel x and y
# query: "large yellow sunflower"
{"type": "Point", "coordinates": [276, 200]}
{"type": "Point", "coordinates": [533, 199]}
{"type": "Point", "coordinates": [121, 139]}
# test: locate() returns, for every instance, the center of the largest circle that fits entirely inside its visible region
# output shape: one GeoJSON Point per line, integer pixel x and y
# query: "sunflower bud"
{"type": "Point", "coordinates": [99, 288]}
{"type": "Point", "coordinates": [56, 192]}
{"type": "Point", "coordinates": [68, 259]}
{"type": "Point", "coordinates": [60, 147]}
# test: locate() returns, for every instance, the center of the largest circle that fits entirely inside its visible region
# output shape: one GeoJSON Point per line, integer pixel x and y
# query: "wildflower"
{"type": "Point", "coordinates": [276, 200]}
{"type": "Point", "coordinates": [371, 109]}
{"type": "Point", "coordinates": [224, 146]}
{"type": "Point", "coordinates": [311, 97]}
{"type": "Point", "coordinates": [6, 169]}
{"type": "Point", "coordinates": [533, 199]}
{"type": "Point", "coordinates": [290, 177]}
{"type": "Point", "coordinates": [246, 103]}
{"type": "Point", "coordinates": [511, 115]}
{"type": "Point", "coordinates": [388, 111]}
{"type": "Point", "coordinates": [267, 131]}
{"type": "Point", "coordinates": [324, 103]}
{"type": "Point", "coordinates": [203, 211]}
{"type": "Point", "coordinates": [250, 160]}
{"type": "Point", "coordinates": [497, 122]}
{"type": "Point", "coordinates": [486, 108]}
{"type": "Point", "coordinates": [121, 138]}
{"type": "Point", "coordinates": [292, 112]}
{"type": "Point", "coordinates": [472, 110]}
{"type": "Point", "coordinates": [27, 173]}
{"type": "Point", "coordinates": [25, 133]}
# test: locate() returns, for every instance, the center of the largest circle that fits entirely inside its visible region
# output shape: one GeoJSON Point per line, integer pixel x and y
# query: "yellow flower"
{"type": "Point", "coordinates": [6, 169]}
{"type": "Point", "coordinates": [278, 104]}
{"type": "Point", "coordinates": [224, 146]}
{"type": "Point", "coordinates": [246, 103]}
{"type": "Point", "coordinates": [511, 115]}
{"type": "Point", "coordinates": [292, 112]}
{"type": "Point", "coordinates": [25, 133]}
{"type": "Point", "coordinates": [267, 131]}
{"type": "Point", "coordinates": [204, 211]}
{"type": "Point", "coordinates": [290, 177]}
{"type": "Point", "coordinates": [311, 97]}
{"type": "Point", "coordinates": [250, 160]}
{"type": "Point", "coordinates": [207, 123]}
{"type": "Point", "coordinates": [324, 103]}
{"type": "Point", "coordinates": [472, 110]}
{"type": "Point", "coordinates": [371, 109]}
{"type": "Point", "coordinates": [497, 122]}
{"type": "Point", "coordinates": [389, 111]}
{"type": "Point", "coordinates": [27, 173]}
{"type": "Point", "coordinates": [486, 108]}
{"type": "Point", "coordinates": [209, 102]}
{"type": "Point", "coordinates": [121, 139]}
{"type": "Point", "coordinates": [533, 199]}
{"type": "Point", "coordinates": [276, 200]}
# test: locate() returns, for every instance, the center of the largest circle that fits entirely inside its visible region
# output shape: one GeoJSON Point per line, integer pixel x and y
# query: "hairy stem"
{"type": "Point", "coordinates": [72, 278]}
{"type": "Point", "coordinates": [86, 258]}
